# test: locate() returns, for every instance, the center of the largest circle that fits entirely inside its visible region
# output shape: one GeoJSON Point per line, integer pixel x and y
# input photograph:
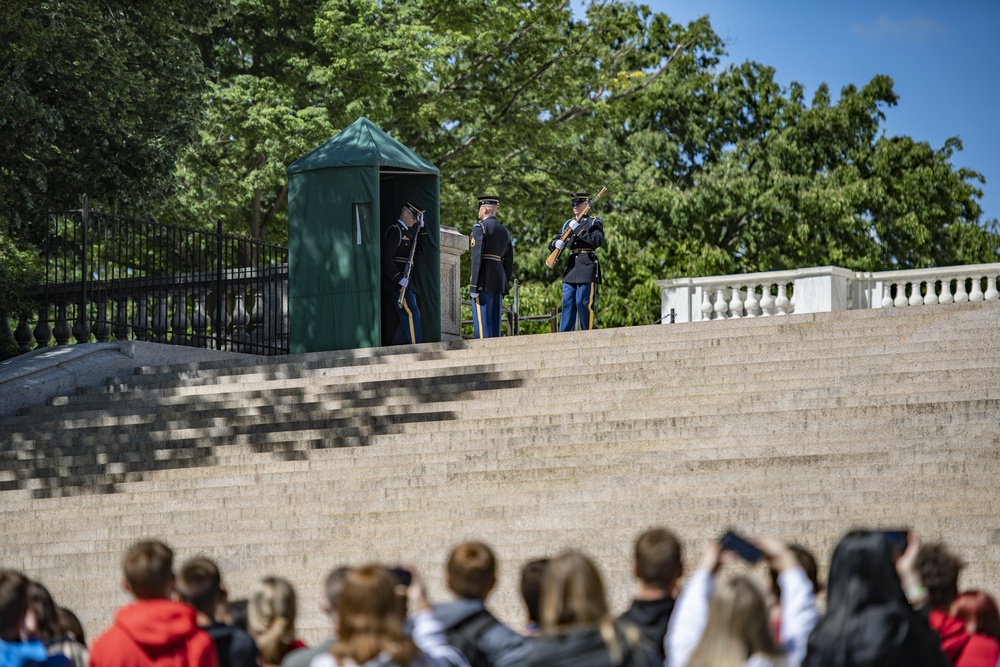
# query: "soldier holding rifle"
{"type": "Point", "coordinates": [581, 235]}
{"type": "Point", "coordinates": [401, 241]}
{"type": "Point", "coordinates": [492, 268]}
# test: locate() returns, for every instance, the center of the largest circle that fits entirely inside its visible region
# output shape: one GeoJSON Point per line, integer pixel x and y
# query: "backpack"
{"type": "Point", "coordinates": [465, 637]}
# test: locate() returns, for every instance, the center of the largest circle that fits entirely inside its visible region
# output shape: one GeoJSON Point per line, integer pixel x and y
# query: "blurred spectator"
{"type": "Point", "coordinates": [200, 585]}
{"type": "Point", "coordinates": [868, 621]}
{"type": "Point", "coordinates": [271, 618]}
{"type": "Point", "coordinates": [469, 626]}
{"type": "Point", "coordinates": [532, 575]}
{"type": "Point", "coordinates": [333, 587]}
{"type": "Point", "coordinates": [73, 630]}
{"type": "Point", "coordinates": [371, 615]}
{"type": "Point", "coordinates": [42, 623]}
{"type": "Point", "coordinates": [16, 651]}
{"type": "Point", "coordinates": [729, 627]}
{"type": "Point", "coordinates": [657, 566]}
{"type": "Point", "coordinates": [236, 614]}
{"type": "Point", "coordinates": [154, 630]}
{"type": "Point", "coordinates": [978, 610]}
{"type": "Point", "coordinates": [577, 627]}
{"type": "Point", "coordinates": [808, 564]}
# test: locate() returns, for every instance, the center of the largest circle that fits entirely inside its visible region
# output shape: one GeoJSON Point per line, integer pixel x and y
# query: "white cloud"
{"type": "Point", "coordinates": [915, 29]}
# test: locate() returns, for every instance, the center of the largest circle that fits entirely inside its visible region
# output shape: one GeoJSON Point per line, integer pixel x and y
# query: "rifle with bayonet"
{"type": "Point", "coordinates": [554, 257]}
{"type": "Point", "coordinates": [408, 269]}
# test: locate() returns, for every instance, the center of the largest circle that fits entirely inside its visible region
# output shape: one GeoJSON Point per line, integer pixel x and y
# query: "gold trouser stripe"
{"type": "Point", "coordinates": [409, 316]}
{"type": "Point", "coordinates": [590, 307]}
{"type": "Point", "coordinates": [478, 314]}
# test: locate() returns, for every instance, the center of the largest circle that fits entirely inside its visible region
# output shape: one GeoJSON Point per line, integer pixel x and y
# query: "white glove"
{"type": "Point", "coordinates": [403, 282]}
{"type": "Point", "coordinates": [473, 295]}
{"type": "Point", "coordinates": [420, 219]}
{"type": "Point", "coordinates": [573, 225]}
{"type": "Point", "coordinates": [560, 244]}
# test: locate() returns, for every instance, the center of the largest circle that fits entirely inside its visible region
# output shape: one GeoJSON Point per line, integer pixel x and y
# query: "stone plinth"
{"type": "Point", "coordinates": [453, 245]}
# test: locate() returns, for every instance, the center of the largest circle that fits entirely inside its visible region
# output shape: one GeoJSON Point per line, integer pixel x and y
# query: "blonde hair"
{"type": "Point", "coordinates": [370, 617]}
{"type": "Point", "coordinates": [271, 618]}
{"type": "Point", "coordinates": [737, 627]}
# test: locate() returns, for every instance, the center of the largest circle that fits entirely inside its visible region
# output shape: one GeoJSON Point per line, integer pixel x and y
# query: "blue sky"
{"type": "Point", "coordinates": [944, 58]}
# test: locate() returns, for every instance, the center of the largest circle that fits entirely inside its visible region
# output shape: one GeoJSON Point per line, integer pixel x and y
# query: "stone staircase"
{"type": "Point", "coordinates": [801, 427]}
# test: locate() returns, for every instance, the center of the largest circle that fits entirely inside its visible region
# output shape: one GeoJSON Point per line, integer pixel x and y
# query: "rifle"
{"type": "Point", "coordinates": [408, 269]}
{"type": "Point", "coordinates": [554, 257]}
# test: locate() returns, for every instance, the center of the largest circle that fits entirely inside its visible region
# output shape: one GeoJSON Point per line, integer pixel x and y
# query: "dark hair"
{"type": "Point", "coordinates": [978, 610]}
{"type": "Point", "coordinates": [149, 568]}
{"type": "Point", "coordinates": [71, 625]}
{"type": "Point", "coordinates": [200, 584]}
{"type": "Point", "coordinates": [238, 611]}
{"type": "Point", "coordinates": [532, 576]}
{"type": "Point", "coordinates": [472, 570]}
{"type": "Point", "coordinates": [334, 586]}
{"type": "Point", "coordinates": [867, 612]}
{"type": "Point", "coordinates": [47, 626]}
{"type": "Point", "coordinates": [808, 564]}
{"type": "Point", "coordinates": [13, 602]}
{"type": "Point", "coordinates": [939, 570]}
{"type": "Point", "coordinates": [658, 557]}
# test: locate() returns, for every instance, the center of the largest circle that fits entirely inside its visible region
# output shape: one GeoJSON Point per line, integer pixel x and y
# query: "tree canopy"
{"type": "Point", "coordinates": [193, 114]}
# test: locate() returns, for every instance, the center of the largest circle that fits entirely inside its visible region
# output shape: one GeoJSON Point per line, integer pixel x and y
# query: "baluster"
{"type": "Point", "coordinates": [766, 301]}
{"type": "Point", "coordinates": [736, 304]}
{"type": "Point", "coordinates": [43, 330]}
{"type": "Point", "coordinates": [102, 327]}
{"type": "Point", "coordinates": [161, 319]}
{"type": "Point", "coordinates": [977, 289]}
{"type": "Point", "coordinates": [240, 321]}
{"type": "Point", "coordinates": [946, 296]}
{"type": "Point", "coordinates": [887, 301]}
{"type": "Point", "coordinates": [991, 289]}
{"type": "Point", "coordinates": [140, 325]}
{"type": "Point", "coordinates": [179, 322]}
{"type": "Point", "coordinates": [199, 320]}
{"type": "Point", "coordinates": [257, 322]}
{"type": "Point", "coordinates": [751, 302]}
{"type": "Point", "coordinates": [81, 328]}
{"type": "Point", "coordinates": [22, 334]}
{"type": "Point", "coordinates": [706, 305]}
{"type": "Point", "coordinates": [930, 298]}
{"type": "Point", "coordinates": [62, 330]}
{"type": "Point", "coordinates": [721, 307]}
{"type": "Point", "coordinates": [781, 303]}
{"type": "Point", "coordinates": [6, 333]}
{"type": "Point", "coordinates": [220, 319]}
{"type": "Point", "coordinates": [916, 298]}
{"type": "Point", "coordinates": [901, 298]}
{"type": "Point", "coordinates": [120, 327]}
{"type": "Point", "coordinates": [961, 296]}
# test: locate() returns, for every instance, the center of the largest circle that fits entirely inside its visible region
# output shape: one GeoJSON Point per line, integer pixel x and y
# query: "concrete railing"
{"type": "Point", "coordinates": [822, 289]}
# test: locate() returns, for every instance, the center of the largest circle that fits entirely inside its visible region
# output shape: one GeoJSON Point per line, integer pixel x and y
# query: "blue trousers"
{"type": "Point", "coordinates": [486, 315]}
{"type": "Point", "coordinates": [409, 330]}
{"type": "Point", "coordinates": [578, 301]}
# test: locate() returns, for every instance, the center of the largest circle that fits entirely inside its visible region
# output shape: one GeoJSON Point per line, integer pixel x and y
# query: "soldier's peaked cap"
{"type": "Point", "coordinates": [492, 200]}
{"type": "Point", "coordinates": [413, 207]}
{"type": "Point", "coordinates": [579, 197]}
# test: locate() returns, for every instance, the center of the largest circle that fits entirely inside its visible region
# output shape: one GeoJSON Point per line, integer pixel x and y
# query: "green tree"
{"type": "Point", "coordinates": [95, 98]}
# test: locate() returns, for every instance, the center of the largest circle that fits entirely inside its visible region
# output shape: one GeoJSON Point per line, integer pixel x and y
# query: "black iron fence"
{"type": "Point", "coordinates": [111, 277]}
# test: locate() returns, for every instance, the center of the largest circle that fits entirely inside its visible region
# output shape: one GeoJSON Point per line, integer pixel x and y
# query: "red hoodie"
{"type": "Point", "coordinates": [963, 649]}
{"type": "Point", "coordinates": [154, 632]}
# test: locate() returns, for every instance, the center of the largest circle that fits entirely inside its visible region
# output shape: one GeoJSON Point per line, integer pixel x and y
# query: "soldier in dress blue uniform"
{"type": "Point", "coordinates": [396, 244]}
{"type": "Point", "coordinates": [492, 268]}
{"type": "Point", "coordinates": [582, 274]}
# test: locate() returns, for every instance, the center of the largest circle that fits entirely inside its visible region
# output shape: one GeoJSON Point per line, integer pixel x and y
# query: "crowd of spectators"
{"type": "Point", "coordinates": [887, 604]}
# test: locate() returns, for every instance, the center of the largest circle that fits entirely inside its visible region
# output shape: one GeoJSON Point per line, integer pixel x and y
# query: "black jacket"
{"type": "Point", "coordinates": [581, 260]}
{"type": "Point", "coordinates": [492, 257]}
{"type": "Point", "coordinates": [396, 243]}
{"type": "Point", "coordinates": [586, 648]}
{"type": "Point", "coordinates": [651, 617]}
